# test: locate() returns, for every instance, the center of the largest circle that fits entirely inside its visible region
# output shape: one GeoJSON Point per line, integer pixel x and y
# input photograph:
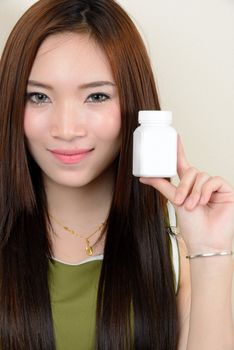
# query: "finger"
{"type": "Point", "coordinates": [162, 185]}
{"type": "Point", "coordinates": [222, 197]}
{"type": "Point", "coordinates": [195, 195]}
{"type": "Point", "coordinates": [182, 162]}
{"type": "Point", "coordinates": [218, 189]}
{"type": "Point", "coordinates": [185, 186]}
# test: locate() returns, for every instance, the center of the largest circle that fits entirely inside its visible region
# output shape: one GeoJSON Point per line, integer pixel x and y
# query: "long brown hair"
{"type": "Point", "coordinates": [137, 273]}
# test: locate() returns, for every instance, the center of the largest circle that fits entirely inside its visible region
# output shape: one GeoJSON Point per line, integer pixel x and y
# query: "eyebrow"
{"type": "Point", "coordinates": [92, 84]}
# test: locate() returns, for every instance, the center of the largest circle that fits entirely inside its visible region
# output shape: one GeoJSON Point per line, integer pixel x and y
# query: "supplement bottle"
{"type": "Point", "coordinates": [155, 145]}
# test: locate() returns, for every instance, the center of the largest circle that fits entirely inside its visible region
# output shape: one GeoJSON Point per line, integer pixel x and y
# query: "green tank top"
{"type": "Point", "coordinates": [73, 290]}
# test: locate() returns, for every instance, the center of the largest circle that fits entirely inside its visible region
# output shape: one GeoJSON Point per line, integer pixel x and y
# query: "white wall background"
{"type": "Point", "coordinates": [191, 44]}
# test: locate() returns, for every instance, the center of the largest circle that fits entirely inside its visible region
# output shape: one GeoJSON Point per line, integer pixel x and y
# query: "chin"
{"type": "Point", "coordinates": [68, 181]}
{"type": "Point", "coordinates": [72, 180]}
{"type": "Point", "coordinates": [81, 177]}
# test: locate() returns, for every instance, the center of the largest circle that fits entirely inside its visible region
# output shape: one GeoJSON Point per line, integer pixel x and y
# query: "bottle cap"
{"type": "Point", "coordinates": [155, 116]}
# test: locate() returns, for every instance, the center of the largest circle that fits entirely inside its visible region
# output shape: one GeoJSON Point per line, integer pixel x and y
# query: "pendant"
{"type": "Point", "coordinates": [88, 248]}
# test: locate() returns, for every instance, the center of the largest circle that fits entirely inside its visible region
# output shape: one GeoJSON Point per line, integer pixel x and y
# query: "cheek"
{"type": "Point", "coordinates": [108, 127]}
{"type": "Point", "coordinates": [34, 126]}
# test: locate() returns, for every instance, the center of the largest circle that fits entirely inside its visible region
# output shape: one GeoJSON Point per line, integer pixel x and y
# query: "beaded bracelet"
{"type": "Point", "coordinates": [201, 255]}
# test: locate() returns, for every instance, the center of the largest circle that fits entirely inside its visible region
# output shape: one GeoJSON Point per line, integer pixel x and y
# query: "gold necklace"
{"type": "Point", "coordinates": [88, 247]}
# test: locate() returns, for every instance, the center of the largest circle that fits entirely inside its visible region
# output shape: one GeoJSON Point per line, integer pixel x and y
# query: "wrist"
{"type": "Point", "coordinates": [209, 254]}
{"type": "Point", "coordinates": [217, 267]}
{"type": "Point", "coordinates": [193, 249]}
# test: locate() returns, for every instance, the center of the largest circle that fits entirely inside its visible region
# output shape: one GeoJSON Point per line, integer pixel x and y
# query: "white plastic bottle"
{"type": "Point", "coordinates": [155, 145]}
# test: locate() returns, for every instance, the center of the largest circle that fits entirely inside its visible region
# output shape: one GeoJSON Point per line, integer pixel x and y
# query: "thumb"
{"type": "Point", "coordinates": [162, 185]}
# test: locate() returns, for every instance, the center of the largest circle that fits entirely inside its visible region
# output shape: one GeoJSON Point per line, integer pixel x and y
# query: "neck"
{"type": "Point", "coordinates": [90, 203]}
{"type": "Point", "coordinates": [81, 209]}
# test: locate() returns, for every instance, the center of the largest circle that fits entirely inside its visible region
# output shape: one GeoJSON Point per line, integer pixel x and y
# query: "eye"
{"type": "Point", "coordinates": [98, 97]}
{"type": "Point", "coordinates": [37, 98]}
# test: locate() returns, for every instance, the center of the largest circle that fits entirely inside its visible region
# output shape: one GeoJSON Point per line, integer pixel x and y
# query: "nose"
{"type": "Point", "coordinates": [68, 122]}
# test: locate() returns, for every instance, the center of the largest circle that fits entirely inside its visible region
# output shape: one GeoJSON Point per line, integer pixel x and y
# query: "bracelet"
{"type": "Point", "coordinates": [201, 255]}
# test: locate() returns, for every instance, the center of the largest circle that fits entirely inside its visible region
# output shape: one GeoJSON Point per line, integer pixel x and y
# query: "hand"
{"type": "Point", "coordinates": [204, 206]}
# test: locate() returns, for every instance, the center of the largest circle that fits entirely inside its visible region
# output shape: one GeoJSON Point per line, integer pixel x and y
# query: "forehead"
{"type": "Point", "coordinates": [62, 40]}
{"type": "Point", "coordinates": [71, 52]}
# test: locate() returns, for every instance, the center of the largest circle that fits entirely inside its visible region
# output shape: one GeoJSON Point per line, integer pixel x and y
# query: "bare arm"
{"type": "Point", "coordinates": [211, 323]}
{"type": "Point", "coordinates": [204, 303]}
{"type": "Point", "coordinates": [204, 206]}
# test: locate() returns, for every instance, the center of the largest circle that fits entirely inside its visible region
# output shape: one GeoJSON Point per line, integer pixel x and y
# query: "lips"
{"type": "Point", "coordinates": [71, 156]}
{"type": "Point", "coordinates": [70, 152]}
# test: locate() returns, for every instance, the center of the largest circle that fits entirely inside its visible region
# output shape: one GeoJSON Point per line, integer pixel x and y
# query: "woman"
{"type": "Point", "coordinates": [74, 74]}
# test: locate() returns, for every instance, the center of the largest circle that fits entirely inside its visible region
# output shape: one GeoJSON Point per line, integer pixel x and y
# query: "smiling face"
{"type": "Point", "coordinates": [72, 116]}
